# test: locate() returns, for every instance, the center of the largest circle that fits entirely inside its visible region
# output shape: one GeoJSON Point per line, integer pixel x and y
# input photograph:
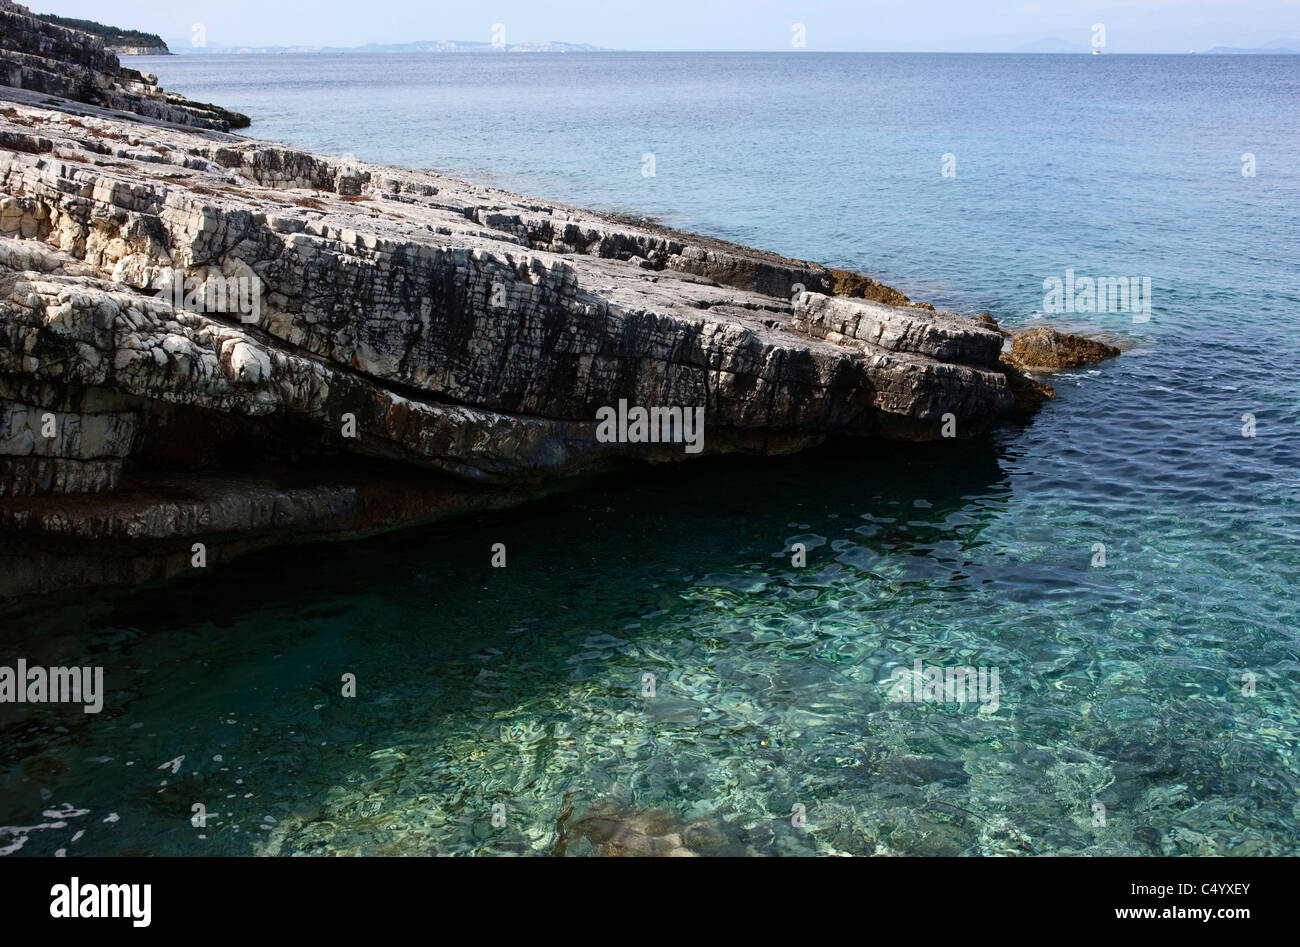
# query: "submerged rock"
{"type": "Point", "coordinates": [610, 830]}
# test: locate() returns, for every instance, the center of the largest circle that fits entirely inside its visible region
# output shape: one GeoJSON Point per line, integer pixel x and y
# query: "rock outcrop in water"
{"type": "Point", "coordinates": [209, 339]}
{"type": "Point", "coordinates": [1049, 350]}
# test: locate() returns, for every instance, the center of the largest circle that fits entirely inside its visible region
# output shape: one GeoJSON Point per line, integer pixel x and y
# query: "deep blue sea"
{"type": "Point", "coordinates": [1148, 705]}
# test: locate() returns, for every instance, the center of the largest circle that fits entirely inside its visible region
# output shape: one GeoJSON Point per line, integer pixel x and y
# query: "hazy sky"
{"type": "Point", "coordinates": [885, 25]}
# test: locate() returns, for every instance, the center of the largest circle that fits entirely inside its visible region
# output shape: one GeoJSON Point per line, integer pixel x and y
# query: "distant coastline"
{"type": "Point", "coordinates": [451, 46]}
{"type": "Point", "coordinates": [1238, 51]}
{"type": "Point", "coordinates": [419, 46]}
{"type": "Point", "coordinates": [141, 50]}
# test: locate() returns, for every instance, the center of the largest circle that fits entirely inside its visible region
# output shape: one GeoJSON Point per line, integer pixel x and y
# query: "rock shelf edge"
{"type": "Point", "coordinates": [416, 347]}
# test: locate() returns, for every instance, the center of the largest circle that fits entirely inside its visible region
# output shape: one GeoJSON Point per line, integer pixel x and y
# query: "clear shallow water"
{"type": "Point", "coordinates": [1120, 685]}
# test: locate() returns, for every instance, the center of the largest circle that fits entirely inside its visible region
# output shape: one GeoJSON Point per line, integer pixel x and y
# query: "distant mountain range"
{"type": "Point", "coordinates": [420, 46]}
{"type": "Point", "coordinates": [1055, 44]}
{"type": "Point", "coordinates": [1238, 51]}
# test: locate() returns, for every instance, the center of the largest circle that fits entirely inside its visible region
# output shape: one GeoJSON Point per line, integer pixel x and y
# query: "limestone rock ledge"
{"type": "Point", "coordinates": [417, 322]}
{"type": "Point", "coordinates": [44, 57]}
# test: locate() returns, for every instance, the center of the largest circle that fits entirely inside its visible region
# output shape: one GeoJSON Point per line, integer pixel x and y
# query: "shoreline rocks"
{"type": "Point", "coordinates": [184, 312]}
{"type": "Point", "coordinates": [44, 57]}
{"type": "Point", "coordinates": [1047, 349]}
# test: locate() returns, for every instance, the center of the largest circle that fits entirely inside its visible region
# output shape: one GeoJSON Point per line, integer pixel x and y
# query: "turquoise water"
{"type": "Point", "coordinates": [523, 687]}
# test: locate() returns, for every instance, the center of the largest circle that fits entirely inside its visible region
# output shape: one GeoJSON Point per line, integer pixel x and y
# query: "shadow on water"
{"type": "Point", "coordinates": [699, 517]}
{"type": "Point", "coordinates": [416, 613]}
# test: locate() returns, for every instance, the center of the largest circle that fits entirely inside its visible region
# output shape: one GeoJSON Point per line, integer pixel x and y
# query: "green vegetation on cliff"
{"type": "Point", "coordinates": [111, 35]}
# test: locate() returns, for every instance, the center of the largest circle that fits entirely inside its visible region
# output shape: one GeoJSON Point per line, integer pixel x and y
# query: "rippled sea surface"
{"type": "Point", "coordinates": [495, 705]}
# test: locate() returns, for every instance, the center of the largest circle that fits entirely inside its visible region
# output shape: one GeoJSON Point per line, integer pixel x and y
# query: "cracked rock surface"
{"type": "Point", "coordinates": [180, 299]}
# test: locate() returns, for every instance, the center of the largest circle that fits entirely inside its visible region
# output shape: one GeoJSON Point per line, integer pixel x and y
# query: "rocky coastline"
{"type": "Point", "coordinates": [215, 343]}
{"type": "Point", "coordinates": [161, 50]}
{"type": "Point", "coordinates": [66, 63]}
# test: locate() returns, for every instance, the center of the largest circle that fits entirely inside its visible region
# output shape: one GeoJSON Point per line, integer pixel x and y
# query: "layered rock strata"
{"type": "Point", "coordinates": [179, 304]}
{"type": "Point", "coordinates": [59, 61]}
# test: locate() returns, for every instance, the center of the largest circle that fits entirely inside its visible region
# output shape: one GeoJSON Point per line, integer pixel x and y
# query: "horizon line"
{"type": "Point", "coordinates": [306, 50]}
